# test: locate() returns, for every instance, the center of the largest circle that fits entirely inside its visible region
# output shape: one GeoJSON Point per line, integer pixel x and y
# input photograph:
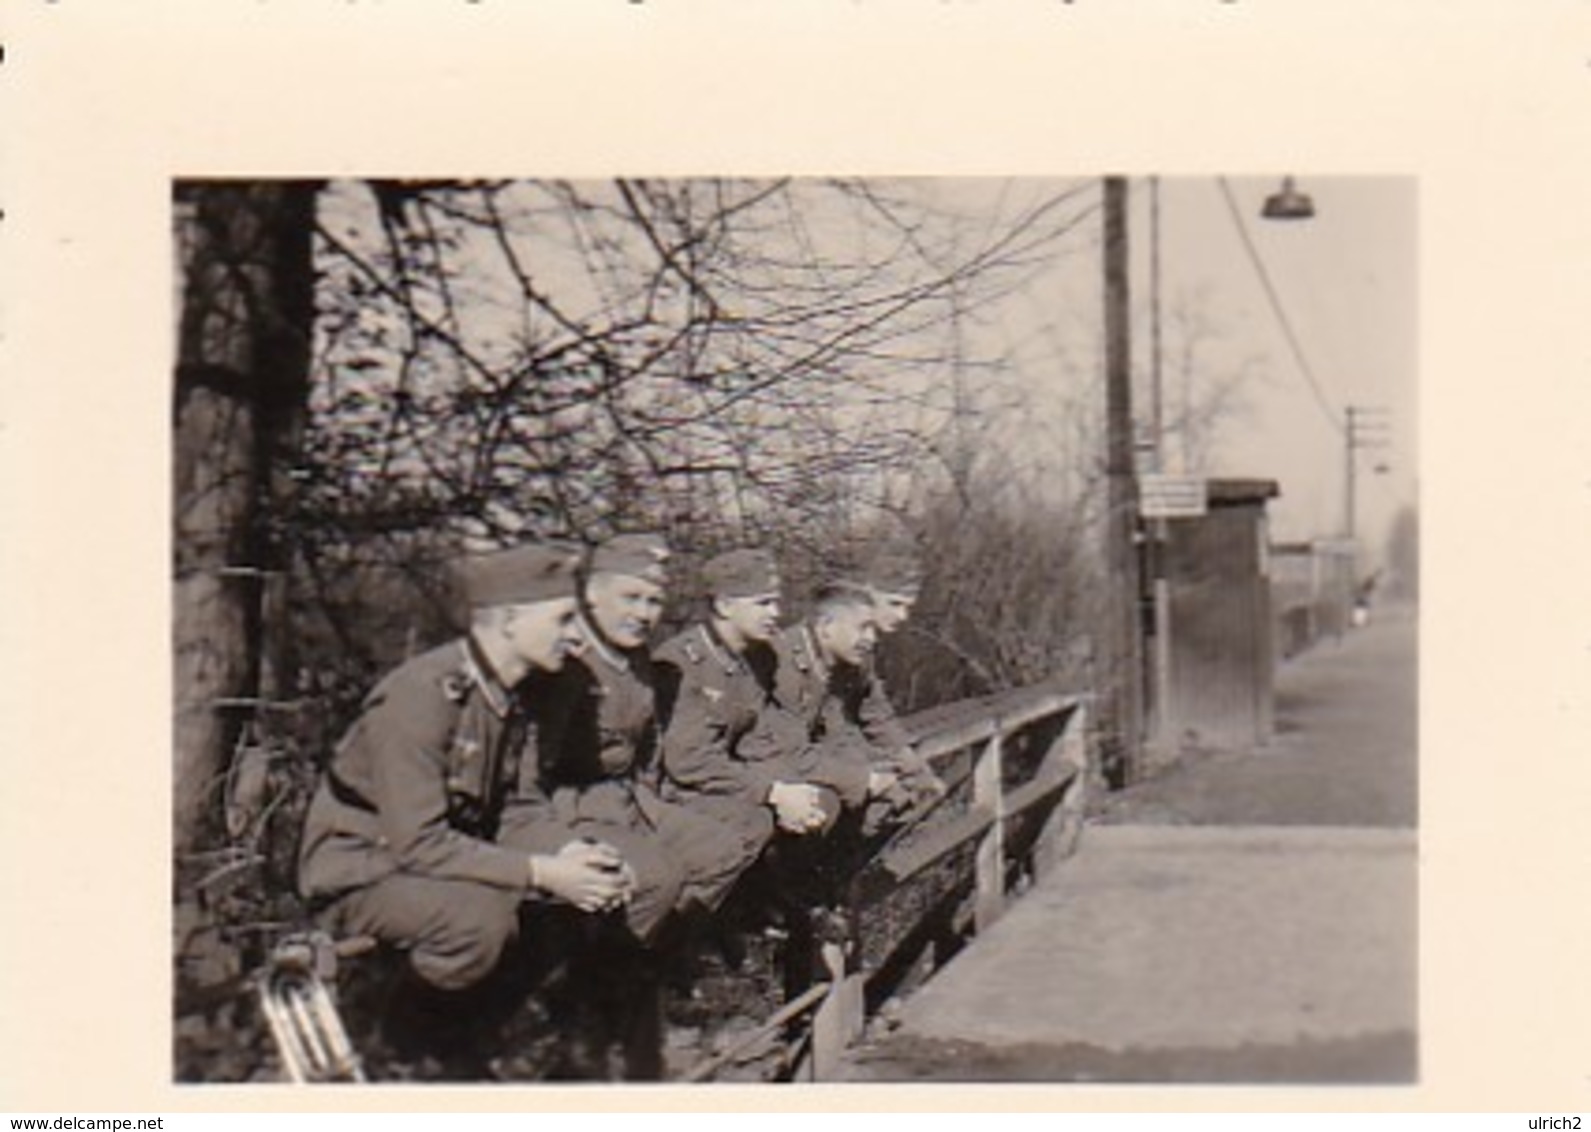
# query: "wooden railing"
{"type": "Point", "coordinates": [1017, 769]}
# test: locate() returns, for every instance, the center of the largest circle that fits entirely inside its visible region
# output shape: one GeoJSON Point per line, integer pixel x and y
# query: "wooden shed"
{"type": "Point", "coordinates": [1222, 657]}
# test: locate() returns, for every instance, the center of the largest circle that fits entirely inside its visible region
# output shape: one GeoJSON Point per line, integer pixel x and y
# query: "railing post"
{"type": "Point", "coordinates": [988, 791]}
{"type": "Point", "coordinates": [838, 1021]}
{"type": "Point", "coordinates": [1064, 825]}
{"type": "Point", "coordinates": [833, 955]}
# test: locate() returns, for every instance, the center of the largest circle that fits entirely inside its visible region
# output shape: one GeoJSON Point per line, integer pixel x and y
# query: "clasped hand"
{"type": "Point", "coordinates": [591, 875]}
{"type": "Point", "coordinates": [797, 807]}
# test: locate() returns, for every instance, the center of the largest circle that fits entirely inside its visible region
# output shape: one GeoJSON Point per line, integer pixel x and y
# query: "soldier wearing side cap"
{"type": "Point", "coordinates": [825, 676]}
{"type": "Point", "coordinates": [401, 840]}
{"type": "Point", "coordinates": [893, 576]}
{"type": "Point", "coordinates": [598, 735]}
{"type": "Point", "coordinates": [597, 768]}
{"type": "Point", "coordinates": [729, 748]}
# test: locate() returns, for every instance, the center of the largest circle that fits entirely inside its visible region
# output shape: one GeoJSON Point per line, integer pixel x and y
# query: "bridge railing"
{"type": "Point", "coordinates": [1017, 769]}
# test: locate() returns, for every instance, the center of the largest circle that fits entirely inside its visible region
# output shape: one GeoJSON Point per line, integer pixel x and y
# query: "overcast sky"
{"type": "Point", "coordinates": [1346, 281]}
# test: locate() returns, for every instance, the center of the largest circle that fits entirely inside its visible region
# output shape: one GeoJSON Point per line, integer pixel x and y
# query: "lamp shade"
{"type": "Point", "coordinates": [1288, 203]}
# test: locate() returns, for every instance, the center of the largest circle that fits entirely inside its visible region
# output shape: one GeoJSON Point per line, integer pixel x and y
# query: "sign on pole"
{"type": "Point", "coordinates": [1172, 497]}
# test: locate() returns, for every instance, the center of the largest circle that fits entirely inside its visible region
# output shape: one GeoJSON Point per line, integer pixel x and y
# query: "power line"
{"type": "Point", "coordinates": [1276, 306]}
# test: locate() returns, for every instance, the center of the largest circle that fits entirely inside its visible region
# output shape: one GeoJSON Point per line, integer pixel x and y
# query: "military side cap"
{"type": "Point", "coordinates": [635, 555]}
{"type": "Point", "coordinates": [741, 573]}
{"type": "Point", "coordinates": [538, 571]}
{"type": "Point", "coordinates": [892, 569]}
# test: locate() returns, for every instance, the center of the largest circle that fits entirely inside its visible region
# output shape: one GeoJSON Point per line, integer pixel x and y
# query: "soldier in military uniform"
{"type": "Point", "coordinates": [598, 736]}
{"type": "Point", "coordinates": [824, 675]}
{"type": "Point", "coordinates": [892, 578]}
{"type": "Point", "coordinates": [729, 749]}
{"type": "Point", "coordinates": [597, 769]}
{"type": "Point", "coordinates": [401, 840]}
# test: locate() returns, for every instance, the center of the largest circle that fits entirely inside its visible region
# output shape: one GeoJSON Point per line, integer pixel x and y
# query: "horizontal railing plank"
{"type": "Point", "coordinates": [903, 862]}
{"type": "Point", "coordinates": [1041, 788]}
{"type": "Point", "coordinates": [978, 731]}
{"type": "Point", "coordinates": [898, 865]}
{"type": "Point", "coordinates": [948, 738]}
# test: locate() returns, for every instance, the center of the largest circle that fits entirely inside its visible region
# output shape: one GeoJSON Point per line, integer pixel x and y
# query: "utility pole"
{"type": "Point", "coordinates": [1124, 649]}
{"type": "Point", "coordinates": [1366, 427]}
{"type": "Point", "coordinates": [1157, 415]}
{"type": "Point", "coordinates": [1163, 721]}
{"type": "Point", "coordinates": [1348, 477]}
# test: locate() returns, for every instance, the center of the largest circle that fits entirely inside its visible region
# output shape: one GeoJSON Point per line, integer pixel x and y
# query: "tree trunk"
{"type": "Point", "coordinates": [246, 307]}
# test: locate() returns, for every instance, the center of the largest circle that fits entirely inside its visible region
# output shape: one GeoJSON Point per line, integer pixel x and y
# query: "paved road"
{"type": "Point", "coordinates": [1244, 916]}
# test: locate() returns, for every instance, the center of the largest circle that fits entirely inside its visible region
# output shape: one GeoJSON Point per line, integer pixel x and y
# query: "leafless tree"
{"type": "Point", "coordinates": [726, 359]}
{"type": "Point", "coordinates": [1206, 389]}
{"type": "Point", "coordinates": [242, 373]}
{"type": "Point", "coordinates": [371, 371]}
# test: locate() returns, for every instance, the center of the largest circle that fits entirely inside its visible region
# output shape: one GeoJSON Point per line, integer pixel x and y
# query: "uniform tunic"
{"type": "Point", "coordinates": [399, 840]}
{"type": "Point", "coordinates": [847, 713]}
{"type": "Point", "coordinates": [729, 738]}
{"type": "Point", "coordinates": [597, 774]}
{"type": "Point", "coordinates": [725, 742]}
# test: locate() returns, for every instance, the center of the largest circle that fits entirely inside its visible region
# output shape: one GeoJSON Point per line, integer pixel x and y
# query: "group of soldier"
{"type": "Point", "coordinates": [550, 783]}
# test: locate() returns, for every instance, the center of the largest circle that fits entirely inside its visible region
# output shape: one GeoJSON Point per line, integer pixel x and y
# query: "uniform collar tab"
{"type": "Point", "coordinates": [730, 662]}
{"type": "Point", "coordinates": [481, 673]}
{"type": "Point", "coordinates": [598, 641]}
{"type": "Point", "coordinates": [809, 642]}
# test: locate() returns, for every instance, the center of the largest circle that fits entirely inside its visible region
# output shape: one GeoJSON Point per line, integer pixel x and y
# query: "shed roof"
{"type": "Point", "coordinates": [1230, 492]}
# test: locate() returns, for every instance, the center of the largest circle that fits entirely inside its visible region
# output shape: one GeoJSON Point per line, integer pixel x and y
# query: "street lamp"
{"type": "Point", "coordinates": [1288, 203]}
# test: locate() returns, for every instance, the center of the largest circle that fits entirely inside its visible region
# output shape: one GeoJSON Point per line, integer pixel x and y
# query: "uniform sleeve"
{"type": "Point", "coordinates": [529, 817]}
{"type": "Point", "coordinates": [877, 717]}
{"type": "Point", "coordinates": [777, 737]}
{"type": "Point", "coordinates": [407, 740]}
{"type": "Point", "coordinates": [842, 763]}
{"type": "Point", "coordinates": [700, 753]}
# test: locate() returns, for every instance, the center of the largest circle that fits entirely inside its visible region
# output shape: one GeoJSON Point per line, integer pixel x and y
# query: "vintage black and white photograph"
{"type": "Point", "coordinates": [795, 629]}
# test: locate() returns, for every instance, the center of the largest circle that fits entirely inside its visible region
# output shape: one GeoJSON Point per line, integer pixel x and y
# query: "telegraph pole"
{"type": "Point", "coordinates": [1366, 427]}
{"type": "Point", "coordinates": [1163, 722]}
{"type": "Point", "coordinates": [1157, 414]}
{"type": "Point", "coordinates": [1348, 485]}
{"type": "Point", "coordinates": [1124, 649]}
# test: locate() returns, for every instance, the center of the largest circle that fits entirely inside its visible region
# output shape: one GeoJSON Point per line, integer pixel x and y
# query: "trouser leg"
{"type": "Point", "coordinates": [812, 869]}
{"type": "Point", "coordinates": [840, 766]}
{"type": "Point", "coordinates": [658, 879]}
{"type": "Point", "coordinates": [445, 1004]}
{"type": "Point", "coordinates": [608, 1009]}
{"type": "Point", "coordinates": [712, 854]}
{"type": "Point", "coordinates": [633, 1007]}
{"type": "Point", "coordinates": [453, 931]}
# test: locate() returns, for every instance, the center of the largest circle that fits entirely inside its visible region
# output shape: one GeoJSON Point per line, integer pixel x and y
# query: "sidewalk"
{"type": "Point", "coordinates": [1345, 751]}
{"type": "Point", "coordinates": [1244, 916]}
